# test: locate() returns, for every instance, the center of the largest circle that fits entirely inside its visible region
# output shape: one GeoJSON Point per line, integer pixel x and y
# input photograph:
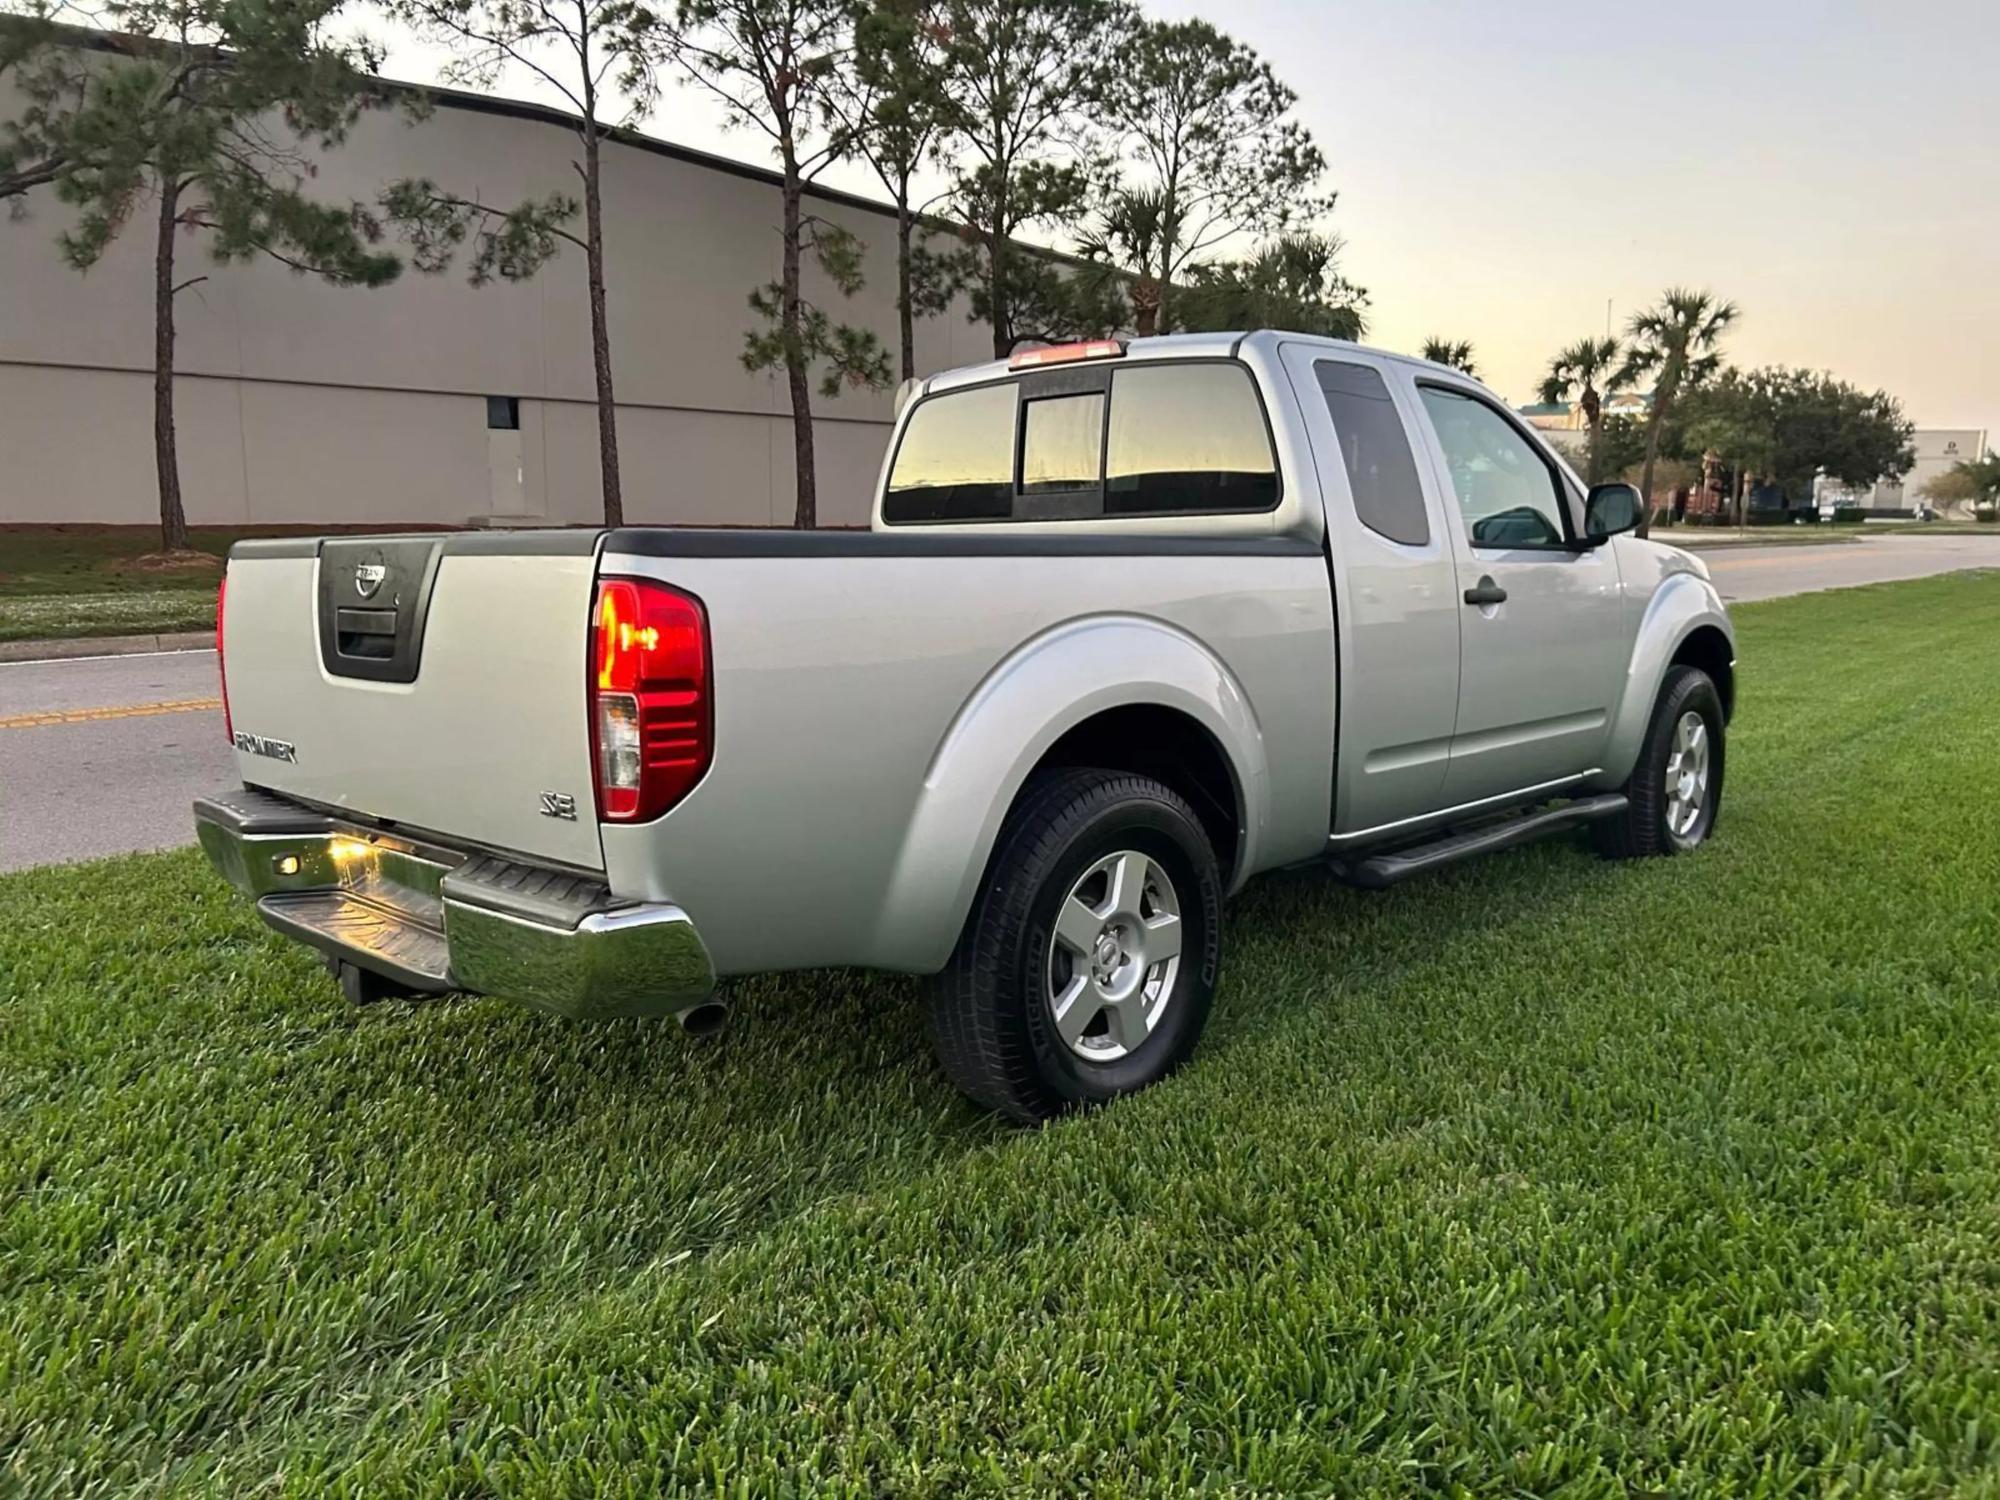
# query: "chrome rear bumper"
{"type": "Point", "coordinates": [434, 918]}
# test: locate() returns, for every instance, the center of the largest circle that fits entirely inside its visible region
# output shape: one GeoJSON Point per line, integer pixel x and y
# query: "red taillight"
{"type": "Point", "coordinates": [1066, 354]}
{"type": "Point", "coordinates": [221, 672]}
{"type": "Point", "coordinates": [651, 721]}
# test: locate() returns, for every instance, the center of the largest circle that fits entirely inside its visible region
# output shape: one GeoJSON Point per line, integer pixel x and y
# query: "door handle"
{"type": "Point", "coordinates": [1487, 592]}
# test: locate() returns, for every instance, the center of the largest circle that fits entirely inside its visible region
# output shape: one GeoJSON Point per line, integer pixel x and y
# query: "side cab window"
{"type": "Point", "coordinates": [1375, 451]}
{"type": "Point", "coordinates": [1509, 494]}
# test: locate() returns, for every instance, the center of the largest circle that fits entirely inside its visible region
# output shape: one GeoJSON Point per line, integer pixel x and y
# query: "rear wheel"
{"type": "Point", "coordinates": [1088, 963]}
{"type": "Point", "coordinates": [1675, 790]}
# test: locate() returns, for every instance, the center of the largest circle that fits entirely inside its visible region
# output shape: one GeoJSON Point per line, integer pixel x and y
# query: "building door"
{"type": "Point", "coordinates": [507, 490]}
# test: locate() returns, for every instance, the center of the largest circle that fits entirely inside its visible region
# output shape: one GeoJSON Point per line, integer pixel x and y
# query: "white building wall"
{"type": "Point", "coordinates": [1939, 450]}
{"type": "Point", "coordinates": [304, 403]}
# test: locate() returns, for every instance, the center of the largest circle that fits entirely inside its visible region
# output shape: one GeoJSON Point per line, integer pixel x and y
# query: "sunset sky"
{"type": "Point", "coordinates": [1505, 170]}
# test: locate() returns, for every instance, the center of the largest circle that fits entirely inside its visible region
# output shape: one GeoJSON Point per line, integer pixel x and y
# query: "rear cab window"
{"type": "Point", "coordinates": [956, 459]}
{"type": "Point", "coordinates": [1177, 437]}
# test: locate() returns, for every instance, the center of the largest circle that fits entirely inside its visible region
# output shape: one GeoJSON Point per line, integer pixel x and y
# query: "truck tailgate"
{"type": "Point", "coordinates": [434, 682]}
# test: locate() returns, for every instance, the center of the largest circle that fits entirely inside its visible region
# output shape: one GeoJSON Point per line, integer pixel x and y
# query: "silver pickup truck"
{"type": "Point", "coordinates": [1133, 623]}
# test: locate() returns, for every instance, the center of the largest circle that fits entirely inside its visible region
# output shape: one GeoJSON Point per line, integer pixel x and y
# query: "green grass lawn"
{"type": "Point", "coordinates": [36, 617]}
{"type": "Point", "coordinates": [94, 559]}
{"type": "Point", "coordinates": [67, 581]}
{"type": "Point", "coordinates": [1540, 1176]}
{"type": "Point", "coordinates": [58, 581]}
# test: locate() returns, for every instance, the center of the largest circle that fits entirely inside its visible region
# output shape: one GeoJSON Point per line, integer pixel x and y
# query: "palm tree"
{"type": "Point", "coordinates": [1591, 369]}
{"type": "Point", "coordinates": [1292, 283]}
{"type": "Point", "coordinates": [1126, 244]}
{"type": "Point", "coordinates": [1445, 352]}
{"type": "Point", "coordinates": [1678, 343]}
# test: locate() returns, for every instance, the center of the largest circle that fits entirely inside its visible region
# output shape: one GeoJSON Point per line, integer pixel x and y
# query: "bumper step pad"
{"type": "Point", "coordinates": [552, 898]}
{"type": "Point", "coordinates": [361, 932]}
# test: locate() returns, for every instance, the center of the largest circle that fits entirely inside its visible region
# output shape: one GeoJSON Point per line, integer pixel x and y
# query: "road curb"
{"type": "Point", "coordinates": [66, 647]}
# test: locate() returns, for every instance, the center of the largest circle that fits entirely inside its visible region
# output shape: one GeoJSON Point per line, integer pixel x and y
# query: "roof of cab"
{"type": "Point", "coordinates": [1193, 346]}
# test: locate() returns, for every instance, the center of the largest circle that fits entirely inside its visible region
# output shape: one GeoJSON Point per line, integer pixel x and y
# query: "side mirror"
{"type": "Point", "coordinates": [1611, 508]}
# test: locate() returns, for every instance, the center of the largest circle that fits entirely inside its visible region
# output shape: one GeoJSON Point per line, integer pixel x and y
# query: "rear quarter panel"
{"type": "Point", "coordinates": [876, 714]}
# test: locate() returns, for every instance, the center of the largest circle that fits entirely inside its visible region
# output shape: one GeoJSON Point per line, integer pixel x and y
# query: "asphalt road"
{"type": "Point", "coordinates": [1747, 572]}
{"type": "Point", "coordinates": [104, 756]}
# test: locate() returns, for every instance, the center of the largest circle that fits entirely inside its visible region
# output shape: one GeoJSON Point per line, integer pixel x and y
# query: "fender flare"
{"type": "Point", "coordinates": [1681, 605]}
{"type": "Point", "coordinates": [1043, 689]}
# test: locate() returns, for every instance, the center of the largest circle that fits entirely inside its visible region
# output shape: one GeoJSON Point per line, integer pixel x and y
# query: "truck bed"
{"type": "Point", "coordinates": [877, 698]}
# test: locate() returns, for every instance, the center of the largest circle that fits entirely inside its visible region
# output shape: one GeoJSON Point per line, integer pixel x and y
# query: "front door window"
{"type": "Point", "coordinates": [1506, 491]}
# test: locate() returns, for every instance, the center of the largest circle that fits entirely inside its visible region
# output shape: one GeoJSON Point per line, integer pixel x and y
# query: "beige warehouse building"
{"type": "Point", "coordinates": [301, 402]}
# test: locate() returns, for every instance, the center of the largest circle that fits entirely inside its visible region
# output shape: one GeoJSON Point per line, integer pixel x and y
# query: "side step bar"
{"type": "Point", "coordinates": [1374, 872]}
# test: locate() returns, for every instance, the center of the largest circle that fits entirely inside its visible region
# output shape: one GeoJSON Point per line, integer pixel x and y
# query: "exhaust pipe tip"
{"type": "Point", "coordinates": [705, 1019]}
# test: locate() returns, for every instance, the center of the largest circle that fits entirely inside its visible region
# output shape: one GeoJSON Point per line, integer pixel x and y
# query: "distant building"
{"type": "Point", "coordinates": [1565, 426]}
{"type": "Point", "coordinates": [1567, 416]}
{"type": "Point", "coordinates": [1939, 450]}
{"type": "Point", "coordinates": [431, 401]}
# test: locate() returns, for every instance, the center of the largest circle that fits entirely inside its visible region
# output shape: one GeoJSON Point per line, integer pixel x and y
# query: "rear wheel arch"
{"type": "Point", "coordinates": [1171, 747]}
{"type": "Point", "coordinates": [1068, 698]}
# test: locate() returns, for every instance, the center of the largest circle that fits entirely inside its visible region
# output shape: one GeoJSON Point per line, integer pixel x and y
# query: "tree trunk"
{"type": "Point", "coordinates": [600, 332]}
{"type": "Point", "coordinates": [906, 316]}
{"type": "Point", "coordinates": [1652, 457]}
{"type": "Point", "coordinates": [166, 460]}
{"type": "Point", "coordinates": [996, 293]}
{"type": "Point", "coordinates": [1593, 411]}
{"type": "Point", "coordinates": [792, 321]}
{"type": "Point", "coordinates": [1145, 311]}
{"type": "Point", "coordinates": [996, 255]}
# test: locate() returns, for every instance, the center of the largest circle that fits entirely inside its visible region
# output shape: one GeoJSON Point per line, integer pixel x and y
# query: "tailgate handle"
{"type": "Point", "coordinates": [367, 633]}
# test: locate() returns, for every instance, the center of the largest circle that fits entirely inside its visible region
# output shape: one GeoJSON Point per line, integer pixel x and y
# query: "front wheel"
{"type": "Point", "coordinates": [1087, 965]}
{"type": "Point", "coordinates": [1675, 790]}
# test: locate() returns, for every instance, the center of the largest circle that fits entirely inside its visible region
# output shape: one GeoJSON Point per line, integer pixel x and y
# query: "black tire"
{"type": "Point", "coordinates": [1642, 829]}
{"type": "Point", "coordinates": [991, 1017]}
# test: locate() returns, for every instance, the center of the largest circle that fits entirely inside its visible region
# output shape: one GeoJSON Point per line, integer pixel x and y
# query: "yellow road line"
{"type": "Point", "coordinates": [91, 715]}
{"type": "Point", "coordinates": [1715, 561]}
